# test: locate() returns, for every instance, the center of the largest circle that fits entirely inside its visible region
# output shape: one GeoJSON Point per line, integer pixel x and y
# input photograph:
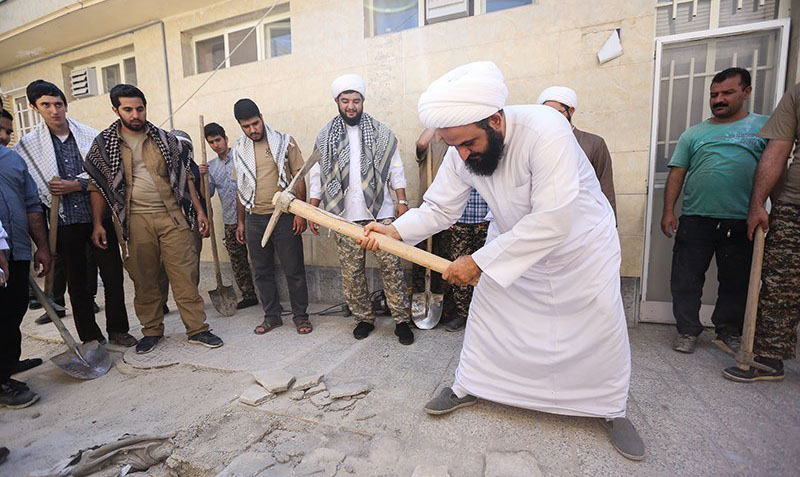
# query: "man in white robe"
{"type": "Point", "coordinates": [546, 328]}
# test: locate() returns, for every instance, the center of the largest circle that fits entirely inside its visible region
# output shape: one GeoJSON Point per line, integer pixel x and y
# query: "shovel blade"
{"type": "Point", "coordinates": [224, 300]}
{"type": "Point", "coordinates": [87, 361]}
{"type": "Point", "coordinates": [426, 309]}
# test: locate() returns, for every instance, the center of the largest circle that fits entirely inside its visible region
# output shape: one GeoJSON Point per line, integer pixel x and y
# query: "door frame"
{"type": "Point", "coordinates": [661, 312]}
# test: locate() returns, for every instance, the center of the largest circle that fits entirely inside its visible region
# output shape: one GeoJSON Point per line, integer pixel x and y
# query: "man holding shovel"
{"type": "Point", "coordinates": [265, 160]}
{"type": "Point", "coordinates": [779, 299]}
{"type": "Point", "coordinates": [56, 148]}
{"type": "Point", "coordinates": [547, 327]}
{"type": "Point", "coordinates": [22, 219]}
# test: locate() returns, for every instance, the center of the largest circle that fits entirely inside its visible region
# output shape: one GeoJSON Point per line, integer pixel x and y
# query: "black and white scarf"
{"type": "Point", "coordinates": [103, 163]}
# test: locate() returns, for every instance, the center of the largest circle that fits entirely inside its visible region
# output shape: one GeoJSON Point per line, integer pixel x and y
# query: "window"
{"type": "Point", "coordinates": [26, 117]}
{"type": "Point", "coordinates": [114, 71]}
{"type": "Point", "coordinates": [389, 16]}
{"type": "Point", "coordinates": [212, 49]}
{"type": "Point", "coordinates": [278, 35]}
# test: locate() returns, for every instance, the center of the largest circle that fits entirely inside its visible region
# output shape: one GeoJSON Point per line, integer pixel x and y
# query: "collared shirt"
{"type": "Point", "coordinates": [221, 177]}
{"type": "Point", "coordinates": [475, 211]}
{"type": "Point", "coordinates": [18, 198]}
{"type": "Point", "coordinates": [76, 208]}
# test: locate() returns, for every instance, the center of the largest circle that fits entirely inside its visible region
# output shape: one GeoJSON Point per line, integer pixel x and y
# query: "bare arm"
{"type": "Point", "coordinates": [98, 204]}
{"type": "Point", "coordinates": [240, 236]}
{"type": "Point", "coordinates": [202, 220]}
{"type": "Point", "coordinates": [769, 171]}
{"type": "Point", "coordinates": [423, 142]}
{"type": "Point", "coordinates": [672, 189]}
{"type": "Point", "coordinates": [38, 233]}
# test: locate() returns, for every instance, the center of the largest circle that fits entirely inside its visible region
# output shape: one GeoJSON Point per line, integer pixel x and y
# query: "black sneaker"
{"type": "Point", "coordinates": [734, 342]}
{"type": "Point", "coordinates": [363, 329]}
{"type": "Point", "coordinates": [15, 396]}
{"type": "Point", "coordinates": [146, 344]}
{"type": "Point", "coordinates": [4, 454]}
{"type": "Point", "coordinates": [34, 304]}
{"type": "Point", "coordinates": [207, 339]}
{"type": "Point", "coordinates": [18, 384]}
{"type": "Point", "coordinates": [122, 339]}
{"type": "Point", "coordinates": [246, 303]}
{"type": "Point", "coordinates": [44, 319]}
{"type": "Point", "coordinates": [754, 374]}
{"type": "Point", "coordinates": [404, 333]}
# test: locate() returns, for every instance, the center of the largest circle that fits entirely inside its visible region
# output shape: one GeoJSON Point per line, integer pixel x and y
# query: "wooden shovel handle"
{"type": "Point", "coordinates": [52, 238]}
{"type": "Point", "coordinates": [209, 210]}
{"type": "Point", "coordinates": [751, 306]}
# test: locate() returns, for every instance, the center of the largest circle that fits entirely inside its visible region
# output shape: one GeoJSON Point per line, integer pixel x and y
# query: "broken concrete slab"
{"type": "Point", "coordinates": [296, 395]}
{"type": "Point", "coordinates": [341, 405]}
{"type": "Point", "coordinates": [430, 471]}
{"type": "Point", "coordinates": [248, 465]}
{"type": "Point", "coordinates": [274, 381]}
{"type": "Point", "coordinates": [348, 389]}
{"type": "Point", "coordinates": [364, 414]}
{"type": "Point", "coordinates": [316, 389]}
{"type": "Point", "coordinates": [308, 382]}
{"type": "Point", "coordinates": [321, 461]}
{"type": "Point", "coordinates": [511, 464]}
{"type": "Point", "coordinates": [255, 395]}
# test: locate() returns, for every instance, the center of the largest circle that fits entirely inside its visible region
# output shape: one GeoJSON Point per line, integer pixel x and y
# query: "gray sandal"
{"type": "Point", "coordinates": [624, 437]}
{"type": "Point", "coordinates": [447, 401]}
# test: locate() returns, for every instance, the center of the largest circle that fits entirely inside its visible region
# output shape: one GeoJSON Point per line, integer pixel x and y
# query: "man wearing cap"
{"type": "Point", "coordinates": [546, 329]}
{"type": "Point", "coordinates": [358, 163]}
{"type": "Point", "coordinates": [264, 161]}
{"type": "Point", "coordinates": [565, 101]}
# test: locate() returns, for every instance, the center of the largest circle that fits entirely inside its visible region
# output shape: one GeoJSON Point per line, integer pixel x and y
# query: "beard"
{"type": "Point", "coordinates": [138, 127]}
{"type": "Point", "coordinates": [351, 121]}
{"type": "Point", "coordinates": [485, 163]}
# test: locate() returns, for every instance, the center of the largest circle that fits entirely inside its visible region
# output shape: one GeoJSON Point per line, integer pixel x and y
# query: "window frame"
{"type": "Point", "coordinates": [118, 60]}
{"type": "Point", "coordinates": [34, 117]}
{"type": "Point", "coordinates": [262, 47]}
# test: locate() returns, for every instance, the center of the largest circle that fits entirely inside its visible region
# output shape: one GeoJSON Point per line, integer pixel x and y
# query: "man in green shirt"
{"type": "Point", "coordinates": [716, 160]}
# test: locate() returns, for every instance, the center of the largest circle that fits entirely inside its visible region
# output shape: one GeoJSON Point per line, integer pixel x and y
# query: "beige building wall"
{"type": "Point", "coordinates": [549, 42]}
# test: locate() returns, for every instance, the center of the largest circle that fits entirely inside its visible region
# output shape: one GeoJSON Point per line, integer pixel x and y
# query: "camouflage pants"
{"type": "Point", "coordinates": [779, 301]}
{"type": "Point", "coordinates": [354, 280]}
{"type": "Point", "coordinates": [460, 240]}
{"type": "Point", "coordinates": [239, 262]}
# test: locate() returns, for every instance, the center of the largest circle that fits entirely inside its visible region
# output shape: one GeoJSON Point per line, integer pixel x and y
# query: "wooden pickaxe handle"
{"type": "Point", "coordinates": [744, 359]}
{"type": "Point", "coordinates": [288, 203]}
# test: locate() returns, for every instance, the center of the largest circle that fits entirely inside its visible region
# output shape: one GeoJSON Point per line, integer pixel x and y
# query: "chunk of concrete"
{"type": "Point", "coordinates": [296, 395]}
{"type": "Point", "coordinates": [431, 471]}
{"type": "Point", "coordinates": [247, 465]}
{"type": "Point", "coordinates": [308, 382]}
{"type": "Point", "coordinates": [274, 381]}
{"type": "Point", "coordinates": [255, 395]}
{"type": "Point", "coordinates": [348, 389]}
{"type": "Point", "coordinates": [511, 464]}
{"type": "Point", "coordinates": [341, 405]}
{"type": "Point", "coordinates": [321, 461]}
{"type": "Point", "coordinates": [316, 389]}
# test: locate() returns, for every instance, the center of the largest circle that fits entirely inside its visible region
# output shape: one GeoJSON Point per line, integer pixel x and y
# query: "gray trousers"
{"type": "Point", "coordinates": [289, 248]}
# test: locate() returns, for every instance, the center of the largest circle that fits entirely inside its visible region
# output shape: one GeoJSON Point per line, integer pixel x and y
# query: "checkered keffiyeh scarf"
{"type": "Point", "coordinates": [244, 161]}
{"type": "Point", "coordinates": [104, 165]}
{"type": "Point", "coordinates": [36, 148]}
{"type": "Point", "coordinates": [378, 145]}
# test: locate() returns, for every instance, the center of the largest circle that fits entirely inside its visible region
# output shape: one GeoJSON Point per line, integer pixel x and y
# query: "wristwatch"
{"type": "Point", "coordinates": [403, 201]}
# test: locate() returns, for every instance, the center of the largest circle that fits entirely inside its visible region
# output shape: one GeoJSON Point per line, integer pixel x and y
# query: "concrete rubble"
{"type": "Point", "coordinates": [255, 395]}
{"type": "Point", "coordinates": [274, 381]}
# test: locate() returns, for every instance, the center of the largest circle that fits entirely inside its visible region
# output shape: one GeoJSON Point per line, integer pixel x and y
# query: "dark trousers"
{"type": "Point", "coordinates": [698, 239]}
{"type": "Point", "coordinates": [60, 277]}
{"type": "Point", "coordinates": [289, 248]}
{"type": "Point", "coordinates": [71, 246]}
{"type": "Point", "coordinates": [13, 303]}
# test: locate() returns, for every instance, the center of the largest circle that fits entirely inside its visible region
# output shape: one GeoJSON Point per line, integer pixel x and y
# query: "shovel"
{"type": "Point", "coordinates": [223, 297]}
{"type": "Point", "coordinates": [82, 361]}
{"type": "Point", "coordinates": [52, 235]}
{"type": "Point", "coordinates": [745, 358]}
{"type": "Point", "coordinates": [426, 308]}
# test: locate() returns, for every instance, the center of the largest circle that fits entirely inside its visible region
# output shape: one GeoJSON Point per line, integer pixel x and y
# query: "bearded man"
{"type": "Point", "coordinates": [358, 163]}
{"type": "Point", "coordinates": [546, 328]}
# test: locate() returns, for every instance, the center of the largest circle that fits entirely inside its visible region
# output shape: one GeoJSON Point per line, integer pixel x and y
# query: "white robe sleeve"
{"type": "Point", "coordinates": [397, 176]}
{"type": "Point", "coordinates": [314, 183]}
{"type": "Point", "coordinates": [442, 206]}
{"type": "Point", "coordinates": [554, 201]}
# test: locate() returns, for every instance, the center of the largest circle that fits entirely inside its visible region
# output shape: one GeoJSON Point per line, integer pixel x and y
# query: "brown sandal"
{"type": "Point", "coordinates": [304, 327]}
{"type": "Point", "coordinates": [266, 327]}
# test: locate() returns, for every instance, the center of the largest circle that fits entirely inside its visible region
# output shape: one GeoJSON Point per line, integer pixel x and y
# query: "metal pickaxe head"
{"type": "Point", "coordinates": [281, 202]}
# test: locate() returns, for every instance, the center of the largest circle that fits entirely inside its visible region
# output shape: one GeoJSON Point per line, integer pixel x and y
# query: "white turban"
{"type": "Point", "coordinates": [465, 95]}
{"type": "Point", "coordinates": [561, 94]}
{"type": "Point", "coordinates": [349, 82]}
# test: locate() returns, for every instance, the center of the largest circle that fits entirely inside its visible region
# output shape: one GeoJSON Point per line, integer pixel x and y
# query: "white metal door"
{"type": "Point", "coordinates": [684, 67]}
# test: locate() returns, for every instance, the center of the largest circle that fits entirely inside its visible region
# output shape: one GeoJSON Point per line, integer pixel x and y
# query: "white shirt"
{"type": "Point", "coordinates": [355, 206]}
